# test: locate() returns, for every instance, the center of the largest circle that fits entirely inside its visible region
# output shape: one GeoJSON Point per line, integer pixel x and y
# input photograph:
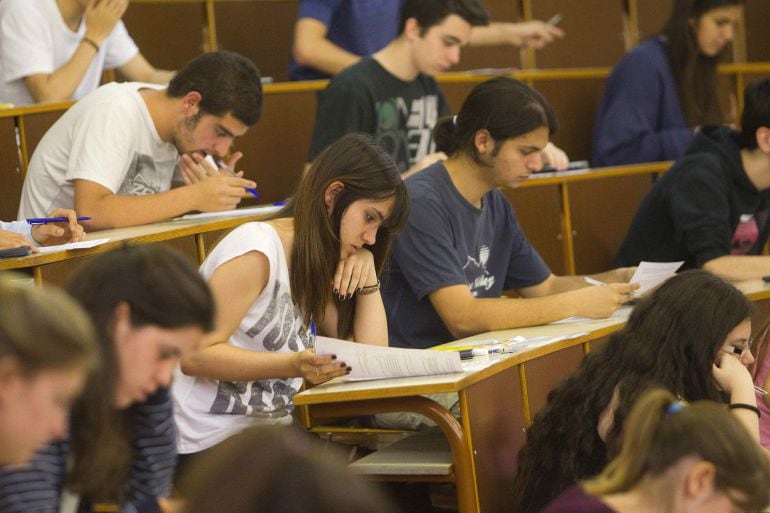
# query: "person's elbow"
{"type": "Point", "coordinates": [718, 266]}
{"type": "Point", "coordinates": [304, 51]}
{"type": "Point", "coordinates": [462, 322]}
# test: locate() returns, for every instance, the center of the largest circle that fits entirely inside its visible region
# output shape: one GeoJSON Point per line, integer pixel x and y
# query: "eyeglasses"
{"type": "Point", "coordinates": [740, 350]}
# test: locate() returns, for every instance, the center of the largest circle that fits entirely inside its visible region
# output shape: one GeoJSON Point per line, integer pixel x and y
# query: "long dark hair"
{"type": "Point", "coordinates": [161, 288]}
{"type": "Point", "coordinates": [503, 106]}
{"type": "Point", "coordinates": [695, 74]}
{"type": "Point", "coordinates": [671, 341]}
{"type": "Point", "coordinates": [366, 172]}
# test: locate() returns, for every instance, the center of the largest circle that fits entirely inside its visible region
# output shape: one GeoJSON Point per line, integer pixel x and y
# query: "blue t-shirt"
{"type": "Point", "coordinates": [361, 27]}
{"type": "Point", "coordinates": [449, 242]}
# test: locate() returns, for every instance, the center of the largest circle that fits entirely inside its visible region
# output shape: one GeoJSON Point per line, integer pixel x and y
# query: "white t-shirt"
{"type": "Point", "coordinates": [34, 39]}
{"type": "Point", "coordinates": [109, 138]}
{"type": "Point", "coordinates": [207, 411]}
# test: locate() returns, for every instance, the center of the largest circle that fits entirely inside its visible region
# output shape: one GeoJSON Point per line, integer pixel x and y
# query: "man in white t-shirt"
{"type": "Point", "coordinates": [56, 50]}
{"type": "Point", "coordinates": [113, 154]}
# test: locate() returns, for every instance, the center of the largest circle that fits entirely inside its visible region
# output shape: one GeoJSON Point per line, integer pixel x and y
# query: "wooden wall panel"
{"type": "Point", "coordinates": [594, 33]}
{"type": "Point", "coordinates": [538, 210]}
{"type": "Point", "coordinates": [11, 172]}
{"type": "Point", "coordinates": [652, 15]}
{"type": "Point", "coordinates": [757, 35]}
{"type": "Point", "coordinates": [601, 225]}
{"type": "Point", "coordinates": [168, 35]}
{"type": "Point", "coordinates": [262, 31]}
{"type": "Point", "coordinates": [36, 125]}
{"type": "Point", "coordinates": [504, 56]}
{"type": "Point", "coordinates": [575, 103]}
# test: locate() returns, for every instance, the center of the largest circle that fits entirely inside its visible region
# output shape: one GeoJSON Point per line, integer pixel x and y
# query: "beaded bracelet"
{"type": "Point", "coordinates": [371, 289]}
{"type": "Point", "coordinates": [744, 406]}
{"type": "Point", "coordinates": [91, 42]}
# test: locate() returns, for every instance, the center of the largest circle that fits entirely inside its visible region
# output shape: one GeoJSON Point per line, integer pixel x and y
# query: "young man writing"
{"type": "Point", "coordinates": [711, 208]}
{"type": "Point", "coordinates": [113, 154]}
{"type": "Point", "coordinates": [56, 50]}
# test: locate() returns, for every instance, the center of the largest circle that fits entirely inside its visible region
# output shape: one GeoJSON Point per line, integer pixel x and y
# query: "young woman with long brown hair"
{"type": "Point", "coordinates": [317, 262]}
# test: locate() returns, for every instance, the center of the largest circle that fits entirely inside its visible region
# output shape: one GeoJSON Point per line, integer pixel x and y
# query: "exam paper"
{"type": "Point", "coordinates": [73, 245]}
{"type": "Point", "coordinates": [372, 362]}
{"type": "Point", "coordinates": [651, 274]}
{"type": "Point", "coordinates": [264, 209]}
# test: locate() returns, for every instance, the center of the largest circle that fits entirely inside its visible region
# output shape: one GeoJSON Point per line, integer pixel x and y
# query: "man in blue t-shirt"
{"type": "Point", "coordinates": [463, 246]}
{"type": "Point", "coordinates": [330, 35]}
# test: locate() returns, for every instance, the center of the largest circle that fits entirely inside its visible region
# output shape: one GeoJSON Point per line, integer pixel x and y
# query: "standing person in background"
{"type": "Point", "coordinates": [316, 263]}
{"type": "Point", "coordinates": [47, 347]}
{"type": "Point", "coordinates": [665, 88]}
{"type": "Point", "coordinates": [331, 35]}
{"type": "Point", "coordinates": [678, 458]}
{"type": "Point", "coordinates": [149, 306]}
{"type": "Point", "coordinates": [56, 50]}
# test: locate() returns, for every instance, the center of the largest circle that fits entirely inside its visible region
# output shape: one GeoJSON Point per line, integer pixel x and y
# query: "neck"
{"type": "Point", "coordinates": [650, 495]}
{"type": "Point", "coordinates": [397, 59]}
{"type": "Point", "coordinates": [284, 227]}
{"type": "Point", "coordinates": [164, 112]}
{"type": "Point", "coordinates": [756, 164]}
{"type": "Point", "coordinates": [71, 12]}
{"type": "Point", "coordinates": [468, 178]}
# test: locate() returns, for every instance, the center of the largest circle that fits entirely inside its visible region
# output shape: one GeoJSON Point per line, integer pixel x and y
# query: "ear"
{"type": "Point", "coordinates": [483, 141]}
{"type": "Point", "coordinates": [763, 139]}
{"type": "Point", "coordinates": [121, 322]}
{"type": "Point", "coordinates": [10, 371]}
{"type": "Point", "coordinates": [330, 195]}
{"type": "Point", "coordinates": [191, 103]}
{"type": "Point", "coordinates": [412, 29]}
{"type": "Point", "coordinates": [699, 481]}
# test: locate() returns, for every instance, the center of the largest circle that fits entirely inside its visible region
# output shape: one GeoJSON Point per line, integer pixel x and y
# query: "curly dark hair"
{"type": "Point", "coordinates": [670, 341]}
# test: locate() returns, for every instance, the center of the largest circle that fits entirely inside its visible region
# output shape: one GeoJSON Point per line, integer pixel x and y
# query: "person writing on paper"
{"type": "Point", "coordinates": [691, 336]}
{"type": "Point", "coordinates": [112, 155]}
{"type": "Point", "coordinates": [676, 457]}
{"type": "Point", "coordinates": [711, 208]}
{"type": "Point", "coordinates": [47, 348]}
{"type": "Point", "coordinates": [463, 246]}
{"type": "Point", "coordinates": [15, 234]}
{"type": "Point", "coordinates": [393, 94]}
{"type": "Point", "coordinates": [317, 262]}
{"type": "Point", "coordinates": [57, 50]}
{"type": "Point", "coordinates": [331, 35]}
{"type": "Point", "coordinates": [663, 90]}
{"type": "Point", "coordinates": [149, 306]}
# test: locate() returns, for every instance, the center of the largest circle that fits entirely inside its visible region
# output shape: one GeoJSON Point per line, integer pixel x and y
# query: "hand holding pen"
{"type": "Point", "coordinates": [60, 227]}
{"type": "Point", "coordinates": [215, 188]}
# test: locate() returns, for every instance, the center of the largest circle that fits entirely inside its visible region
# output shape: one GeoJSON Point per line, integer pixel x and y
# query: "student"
{"type": "Point", "coordinates": [331, 35]}
{"type": "Point", "coordinates": [760, 372]}
{"type": "Point", "coordinates": [57, 50]}
{"type": "Point", "coordinates": [15, 234]}
{"type": "Point", "coordinates": [463, 246]}
{"type": "Point", "coordinates": [112, 155]}
{"type": "Point", "coordinates": [393, 96]}
{"type": "Point", "coordinates": [226, 481]}
{"type": "Point", "coordinates": [664, 89]}
{"type": "Point", "coordinates": [47, 346]}
{"type": "Point", "coordinates": [317, 262]}
{"type": "Point", "coordinates": [149, 306]}
{"type": "Point", "coordinates": [691, 337]}
{"type": "Point", "coordinates": [676, 457]}
{"type": "Point", "coordinates": [711, 208]}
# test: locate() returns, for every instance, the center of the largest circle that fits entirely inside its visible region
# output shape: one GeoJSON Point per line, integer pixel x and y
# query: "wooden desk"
{"type": "Point", "coordinates": [194, 230]}
{"type": "Point", "coordinates": [496, 404]}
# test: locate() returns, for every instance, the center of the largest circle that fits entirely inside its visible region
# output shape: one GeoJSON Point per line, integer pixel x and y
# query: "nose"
{"type": "Point", "coordinates": [165, 373]}
{"type": "Point", "coordinates": [221, 147]}
{"type": "Point", "coordinates": [370, 236]}
{"type": "Point", "coordinates": [535, 162]}
{"type": "Point", "coordinates": [747, 358]}
{"type": "Point", "coordinates": [730, 32]}
{"type": "Point", "coordinates": [59, 426]}
{"type": "Point", "coordinates": [454, 55]}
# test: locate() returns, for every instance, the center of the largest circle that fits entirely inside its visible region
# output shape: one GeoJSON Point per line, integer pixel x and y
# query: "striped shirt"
{"type": "Point", "coordinates": [38, 488]}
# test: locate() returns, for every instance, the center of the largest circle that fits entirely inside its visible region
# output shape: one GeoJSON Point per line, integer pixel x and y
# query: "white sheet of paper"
{"type": "Point", "coordinates": [372, 362]}
{"type": "Point", "coordinates": [263, 209]}
{"type": "Point", "coordinates": [651, 274]}
{"type": "Point", "coordinates": [621, 313]}
{"type": "Point", "coordinates": [73, 245]}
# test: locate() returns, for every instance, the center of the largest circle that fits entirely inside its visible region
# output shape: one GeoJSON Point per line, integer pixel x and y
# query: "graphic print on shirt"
{"type": "Point", "coordinates": [476, 274]}
{"type": "Point", "coordinates": [141, 178]}
{"type": "Point", "coordinates": [266, 398]}
{"type": "Point", "coordinates": [747, 232]}
{"type": "Point", "coordinates": [416, 141]}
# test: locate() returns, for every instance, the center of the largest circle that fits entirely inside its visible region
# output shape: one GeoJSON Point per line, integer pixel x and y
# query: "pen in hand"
{"type": "Point", "coordinates": [47, 220]}
{"type": "Point", "coordinates": [231, 172]}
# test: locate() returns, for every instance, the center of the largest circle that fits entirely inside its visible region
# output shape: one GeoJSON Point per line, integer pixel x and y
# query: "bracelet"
{"type": "Point", "coordinates": [370, 289]}
{"type": "Point", "coordinates": [744, 406]}
{"type": "Point", "coordinates": [91, 42]}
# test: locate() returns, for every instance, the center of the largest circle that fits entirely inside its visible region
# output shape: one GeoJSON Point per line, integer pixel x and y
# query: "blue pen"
{"type": "Point", "coordinates": [46, 220]}
{"type": "Point", "coordinates": [312, 333]}
{"type": "Point", "coordinates": [230, 171]}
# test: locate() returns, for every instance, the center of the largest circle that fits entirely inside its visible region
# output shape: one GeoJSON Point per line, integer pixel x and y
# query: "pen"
{"type": "Point", "coordinates": [230, 171]}
{"type": "Point", "coordinates": [46, 220]}
{"type": "Point", "coordinates": [312, 333]}
{"type": "Point", "coordinates": [760, 390]}
{"type": "Point", "coordinates": [592, 281]}
{"type": "Point", "coordinates": [555, 19]}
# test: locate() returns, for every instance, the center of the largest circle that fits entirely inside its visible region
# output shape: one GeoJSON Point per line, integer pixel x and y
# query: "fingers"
{"type": "Point", "coordinates": [14, 240]}
{"type": "Point", "coordinates": [233, 160]}
{"type": "Point", "coordinates": [352, 273]}
{"type": "Point", "coordinates": [319, 368]}
{"type": "Point", "coordinates": [71, 215]}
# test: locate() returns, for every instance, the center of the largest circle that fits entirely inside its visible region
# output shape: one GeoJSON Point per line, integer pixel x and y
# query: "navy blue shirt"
{"type": "Point", "coordinates": [361, 27]}
{"type": "Point", "coordinates": [447, 242]}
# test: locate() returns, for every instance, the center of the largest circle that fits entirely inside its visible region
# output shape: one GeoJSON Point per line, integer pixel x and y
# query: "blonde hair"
{"type": "Point", "coordinates": [660, 431]}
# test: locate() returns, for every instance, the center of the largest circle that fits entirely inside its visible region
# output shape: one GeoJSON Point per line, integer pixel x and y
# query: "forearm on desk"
{"type": "Point", "coordinates": [225, 362]}
{"type": "Point", "coordinates": [117, 211]}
